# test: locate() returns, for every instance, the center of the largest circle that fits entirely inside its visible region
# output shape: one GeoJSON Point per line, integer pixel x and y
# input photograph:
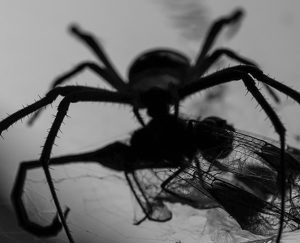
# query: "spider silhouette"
{"type": "Point", "coordinates": [157, 80]}
{"type": "Point", "coordinates": [165, 69]}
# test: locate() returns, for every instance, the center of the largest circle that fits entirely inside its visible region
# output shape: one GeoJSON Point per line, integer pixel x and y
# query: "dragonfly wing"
{"type": "Point", "coordinates": [146, 187]}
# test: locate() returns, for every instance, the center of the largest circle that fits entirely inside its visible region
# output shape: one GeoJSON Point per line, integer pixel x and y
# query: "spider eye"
{"type": "Point", "coordinates": [159, 62]}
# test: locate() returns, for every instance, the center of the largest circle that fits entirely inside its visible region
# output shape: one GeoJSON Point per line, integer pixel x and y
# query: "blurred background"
{"type": "Point", "coordinates": [36, 47]}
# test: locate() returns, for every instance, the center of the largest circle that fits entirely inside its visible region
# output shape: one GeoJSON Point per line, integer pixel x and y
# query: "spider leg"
{"type": "Point", "coordinates": [211, 59]}
{"type": "Point", "coordinates": [16, 197]}
{"type": "Point", "coordinates": [260, 76]}
{"type": "Point", "coordinates": [82, 96]}
{"type": "Point", "coordinates": [238, 74]}
{"type": "Point", "coordinates": [79, 68]}
{"type": "Point", "coordinates": [108, 73]}
{"type": "Point", "coordinates": [102, 72]}
{"type": "Point", "coordinates": [98, 50]}
{"type": "Point", "coordinates": [113, 156]}
{"type": "Point", "coordinates": [235, 74]}
{"type": "Point", "coordinates": [214, 31]}
{"type": "Point", "coordinates": [48, 99]}
{"type": "Point", "coordinates": [112, 76]}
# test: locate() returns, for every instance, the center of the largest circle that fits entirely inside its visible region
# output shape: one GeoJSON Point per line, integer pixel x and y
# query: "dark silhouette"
{"type": "Point", "coordinates": [159, 80]}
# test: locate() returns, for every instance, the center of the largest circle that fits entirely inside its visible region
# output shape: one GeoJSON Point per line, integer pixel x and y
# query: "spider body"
{"type": "Point", "coordinates": [158, 80]}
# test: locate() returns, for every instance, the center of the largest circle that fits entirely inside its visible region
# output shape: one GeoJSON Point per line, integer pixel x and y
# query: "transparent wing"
{"type": "Point", "coordinates": [146, 187]}
{"type": "Point", "coordinates": [242, 175]}
{"type": "Point", "coordinates": [222, 228]}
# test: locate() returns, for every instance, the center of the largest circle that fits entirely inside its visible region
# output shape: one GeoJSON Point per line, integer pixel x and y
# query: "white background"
{"type": "Point", "coordinates": [35, 48]}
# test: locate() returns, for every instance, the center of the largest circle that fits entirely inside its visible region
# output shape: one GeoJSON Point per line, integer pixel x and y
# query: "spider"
{"type": "Point", "coordinates": [169, 69]}
{"type": "Point", "coordinates": [157, 80]}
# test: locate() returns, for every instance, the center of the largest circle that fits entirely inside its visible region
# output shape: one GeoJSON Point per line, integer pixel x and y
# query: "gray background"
{"type": "Point", "coordinates": [35, 48]}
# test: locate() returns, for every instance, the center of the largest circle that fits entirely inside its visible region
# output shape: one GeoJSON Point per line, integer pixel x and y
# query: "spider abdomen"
{"type": "Point", "coordinates": [157, 69]}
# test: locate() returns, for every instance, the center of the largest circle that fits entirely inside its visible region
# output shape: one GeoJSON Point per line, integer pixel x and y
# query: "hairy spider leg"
{"type": "Point", "coordinates": [72, 94]}
{"type": "Point", "coordinates": [83, 96]}
{"type": "Point", "coordinates": [205, 61]}
{"type": "Point", "coordinates": [214, 31]}
{"type": "Point", "coordinates": [105, 156]}
{"type": "Point", "coordinates": [210, 39]}
{"type": "Point", "coordinates": [259, 75]}
{"type": "Point", "coordinates": [16, 197]}
{"type": "Point", "coordinates": [108, 72]}
{"type": "Point", "coordinates": [241, 73]}
{"type": "Point", "coordinates": [43, 102]}
{"type": "Point", "coordinates": [115, 81]}
{"type": "Point", "coordinates": [212, 58]}
{"type": "Point", "coordinates": [48, 99]}
{"type": "Point", "coordinates": [102, 72]}
{"type": "Point", "coordinates": [99, 51]}
{"type": "Point", "coordinates": [97, 69]}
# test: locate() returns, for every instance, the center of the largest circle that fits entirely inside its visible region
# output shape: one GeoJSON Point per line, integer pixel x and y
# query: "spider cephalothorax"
{"type": "Point", "coordinates": [154, 76]}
